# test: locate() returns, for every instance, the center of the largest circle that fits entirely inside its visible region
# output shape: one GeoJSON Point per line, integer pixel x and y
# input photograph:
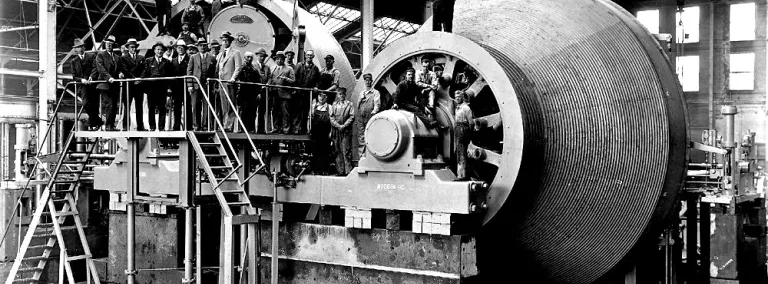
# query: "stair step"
{"type": "Point", "coordinates": [34, 258]}
{"type": "Point", "coordinates": [25, 280]}
{"type": "Point", "coordinates": [78, 257]}
{"type": "Point", "coordinates": [59, 181]}
{"type": "Point", "coordinates": [63, 228]}
{"type": "Point", "coordinates": [213, 156]}
{"type": "Point", "coordinates": [209, 144]}
{"type": "Point", "coordinates": [84, 142]}
{"type": "Point", "coordinates": [68, 213]}
{"type": "Point", "coordinates": [29, 269]}
{"type": "Point", "coordinates": [62, 191]}
{"type": "Point", "coordinates": [43, 236]}
{"type": "Point", "coordinates": [238, 203]}
{"type": "Point", "coordinates": [220, 167]}
{"type": "Point", "coordinates": [69, 172]}
{"type": "Point", "coordinates": [74, 162]}
{"type": "Point", "coordinates": [40, 247]}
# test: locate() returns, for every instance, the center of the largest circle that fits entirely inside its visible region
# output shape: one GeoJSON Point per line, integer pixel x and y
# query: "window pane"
{"type": "Point", "coordinates": [690, 25]}
{"type": "Point", "coordinates": [688, 72]}
{"type": "Point", "coordinates": [742, 75]}
{"type": "Point", "coordinates": [743, 21]}
{"type": "Point", "coordinates": [649, 19]}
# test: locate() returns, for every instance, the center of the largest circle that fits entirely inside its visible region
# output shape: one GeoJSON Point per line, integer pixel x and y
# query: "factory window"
{"type": "Point", "coordinates": [649, 19]}
{"type": "Point", "coordinates": [688, 25]}
{"type": "Point", "coordinates": [334, 17]}
{"type": "Point", "coordinates": [688, 72]}
{"type": "Point", "coordinates": [743, 21]}
{"type": "Point", "coordinates": [742, 71]}
{"type": "Point", "coordinates": [387, 30]}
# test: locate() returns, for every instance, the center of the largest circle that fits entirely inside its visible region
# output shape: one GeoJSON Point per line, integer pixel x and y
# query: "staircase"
{"type": "Point", "coordinates": [57, 212]}
{"type": "Point", "coordinates": [218, 160]}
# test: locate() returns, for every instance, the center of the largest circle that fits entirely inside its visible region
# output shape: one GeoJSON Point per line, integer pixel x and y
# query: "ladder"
{"type": "Point", "coordinates": [57, 211]}
{"type": "Point", "coordinates": [213, 154]}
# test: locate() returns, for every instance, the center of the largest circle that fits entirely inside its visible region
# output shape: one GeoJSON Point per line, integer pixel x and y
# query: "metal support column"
{"type": "Point", "coordinates": [46, 17]}
{"type": "Point", "coordinates": [133, 179]}
{"type": "Point", "coordinates": [366, 7]}
{"type": "Point", "coordinates": [188, 242]}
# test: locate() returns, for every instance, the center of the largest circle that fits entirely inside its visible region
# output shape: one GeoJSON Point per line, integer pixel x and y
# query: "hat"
{"type": "Point", "coordinates": [329, 57]}
{"type": "Point", "coordinates": [438, 67]}
{"type": "Point", "coordinates": [198, 1]}
{"type": "Point", "coordinates": [248, 53]}
{"type": "Point", "coordinates": [410, 69]}
{"type": "Point", "coordinates": [171, 43]}
{"type": "Point", "coordinates": [201, 40]}
{"type": "Point", "coordinates": [367, 76]}
{"type": "Point", "coordinates": [160, 43]}
{"type": "Point", "coordinates": [110, 38]}
{"type": "Point", "coordinates": [291, 52]}
{"type": "Point", "coordinates": [227, 35]}
{"type": "Point", "coordinates": [132, 41]}
{"type": "Point", "coordinates": [261, 51]}
{"type": "Point", "coordinates": [185, 23]}
{"type": "Point", "coordinates": [181, 42]}
{"type": "Point", "coordinates": [78, 42]}
{"type": "Point", "coordinates": [425, 57]}
{"type": "Point", "coordinates": [192, 45]}
{"type": "Point", "coordinates": [215, 43]}
{"type": "Point", "coordinates": [280, 54]}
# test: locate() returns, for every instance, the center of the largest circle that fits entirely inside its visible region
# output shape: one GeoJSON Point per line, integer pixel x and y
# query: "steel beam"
{"type": "Point", "coordinates": [23, 73]}
{"type": "Point", "coordinates": [367, 26]}
{"type": "Point", "coordinates": [18, 29]}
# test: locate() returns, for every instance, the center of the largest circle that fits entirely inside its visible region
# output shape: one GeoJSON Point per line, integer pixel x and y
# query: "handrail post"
{"type": "Point", "coordinates": [184, 105]}
{"type": "Point", "coordinates": [127, 108]}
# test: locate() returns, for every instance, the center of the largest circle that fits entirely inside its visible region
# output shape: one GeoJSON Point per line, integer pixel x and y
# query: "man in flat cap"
{"type": "Point", "coordinates": [289, 56]}
{"type": "Point", "coordinates": [82, 67]}
{"type": "Point", "coordinates": [215, 48]}
{"type": "Point", "coordinates": [260, 64]}
{"type": "Point", "coordinates": [157, 91]}
{"type": "Point", "coordinates": [368, 104]}
{"type": "Point", "coordinates": [329, 78]}
{"type": "Point", "coordinates": [186, 34]}
{"type": "Point", "coordinates": [195, 17]}
{"type": "Point", "coordinates": [203, 66]}
{"type": "Point", "coordinates": [134, 66]}
{"type": "Point", "coordinates": [342, 116]}
{"type": "Point", "coordinates": [229, 61]}
{"type": "Point", "coordinates": [249, 94]}
{"type": "Point", "coordinates": [307, 76]}
{"type": "Point", "coordinates": [108, 68]}
{"type": "Point", "coordinates": [282, 75]}
{"type": "Point", "coordinates": [178, 86]}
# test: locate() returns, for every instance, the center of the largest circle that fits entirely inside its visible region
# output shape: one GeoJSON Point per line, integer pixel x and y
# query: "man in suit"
{"type": "Point", "coordinates": [134, 66]}
{"type": "Point", "coordinates": [282, 75]}
{"type": "Point", "coordinates": [203, 66]}
{"type": "Point", "coordinates": [229, 63]}
{"type": "Point", "coordinates": [180, 64]}
{"type": "Point", "coordinates": [307, 76]}
{"type": "Point", "coordinates": [155, 67]}
{"type": "Point", "coordinates": [108, 68]}
{"type": "Point", "coordinates": [82, 67]}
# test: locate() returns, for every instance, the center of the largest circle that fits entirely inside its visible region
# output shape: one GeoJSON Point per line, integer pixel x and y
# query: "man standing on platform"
{"type": "Point", "coordinates": [368, 104]}
{"type": "Point", "coordinates": [342, 116]}
{"type": "Point", "coordinates": [282, 75]}
{"type": "Point", "coordinates": [82, 67]}
{"type": "Point", "coordinates": [307, 76]}
{"type": "Point", "coordinates": [203, 66]}
{"type": "Point", "coordinates": [108, 68]}
{"type": "Point", "coordinates": [134, 66]}
{"type": "Point", "coordinates": [178, 86]}
{"type": "Point", "coordinates": [249, 94]}
{"type": "Point", "coordinates": [289, 55]}
{"type": "Point", "coordinates": [229, 63]}
{"type": "Point", "coordinates": [260, 64]}
{"type": "Point", "coordinates": [163, 15]}
{"type": "Point", "coordinates": [195, 16]}
{"type": "Point", "coordinates": [156, 67]}
{"type": "Point", "coordinates": [462, 129]}
{"type": "Point", "coordinates": [329, 78]}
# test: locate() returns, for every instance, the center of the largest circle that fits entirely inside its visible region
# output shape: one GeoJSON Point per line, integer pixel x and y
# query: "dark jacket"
{"type": "Point", "coordinates": [306, 76]}
{"type": "Point", "coordinates": [82, 69]}
{"type": "Point", "coordinates": [133, 67]}
{"type": "Point", "coordinates": [154, 69]}
{"type": "Point", "coordinates": [180, 67]}
{"type": "Point", "coordinates": [107, 66]}
{"type": "Point", "coordinates": [249, 74]}
{"type": "Point", "coordinates": [406, 93]}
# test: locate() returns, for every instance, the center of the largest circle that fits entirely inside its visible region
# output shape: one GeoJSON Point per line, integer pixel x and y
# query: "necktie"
{"type": "Point", "coordinates": [224, 55]}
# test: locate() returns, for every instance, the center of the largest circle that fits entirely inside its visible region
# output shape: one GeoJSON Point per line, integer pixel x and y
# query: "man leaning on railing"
{"type": "Point", "coordinates": [82, 67]}
{"type": "Point", "coordinates": [229, 63]}
{"type": "Point", "coordinates": [282, 75]}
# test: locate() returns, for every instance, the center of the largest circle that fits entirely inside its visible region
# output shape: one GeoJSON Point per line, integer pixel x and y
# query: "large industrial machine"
{"type": "Point", "coordinates": [578, 163]}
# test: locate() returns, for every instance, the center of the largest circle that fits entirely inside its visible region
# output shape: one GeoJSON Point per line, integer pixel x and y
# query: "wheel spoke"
{"type": "Point", "coordinates": [478, 85]}
{"type": "Point", "coordinates": [389, 85]}
{"type": "Point", "coordinates": [492, 121]}
{"type": "Point", "coordinates": [483, 155]}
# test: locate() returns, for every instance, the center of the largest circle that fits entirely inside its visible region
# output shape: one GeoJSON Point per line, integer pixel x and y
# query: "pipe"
{"type": "Point", "coordinates": [198, 262]}
{"type": "Point", "coordinates": [275, 229]}
{"type": "Point", "coordinates": [729, 142]}
{"type": "Point", "coordinates": [188, 234]}
{"type": "Point", "coordinates": [131, 239]}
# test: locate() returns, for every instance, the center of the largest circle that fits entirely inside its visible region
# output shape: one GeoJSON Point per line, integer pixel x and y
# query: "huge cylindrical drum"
{"type": "Point", "coordinates": [594, 142]}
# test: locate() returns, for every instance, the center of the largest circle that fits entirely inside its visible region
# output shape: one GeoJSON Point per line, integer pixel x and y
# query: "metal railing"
{"type": "Point", "coordinates": [268, 87]}
{"type": "Point", "coordinates": [51, 122]}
